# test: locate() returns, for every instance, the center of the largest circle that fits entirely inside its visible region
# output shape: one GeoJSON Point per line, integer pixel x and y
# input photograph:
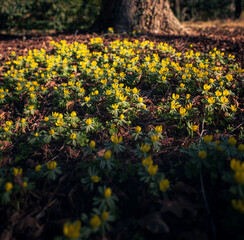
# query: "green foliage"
{"type": "Point", "coordinates": [48, 14]}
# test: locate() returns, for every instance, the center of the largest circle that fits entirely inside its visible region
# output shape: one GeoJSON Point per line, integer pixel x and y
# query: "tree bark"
{"type": "Point", "coordinates": [148, 16]}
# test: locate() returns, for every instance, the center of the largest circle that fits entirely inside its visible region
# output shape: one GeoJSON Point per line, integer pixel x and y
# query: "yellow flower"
{"type": "Point", "coordinates": [51, 165]}
{"type": "Point", "coordinates": [138, 129]}
{"type": "Point", "coordinates": [95, 221]}
{"type": "Point", "coordinates": [72, 136]}
{"type": "Point", "coordinates": [241, 147]}
{"type": "Point", "coordinates": [95, 179]}
{"type": "Point", "coordinates": [8, 186]}
{"type": "Point", "coordinates": [135, 90]}
{"type": "Point", "coordinates": [226, 92]}
{"type": "Point", "coordinates": [105, 216]}
{"type": "Point", "coordinates": [206, 87]}
{"type": "Point", "coordinates": [211, 81]}
{"type": "Point", "coordinates": [232, 141]}
{"type": "Point", "coordinates": [233, 108]}
{"type": "Point", "coordinates": [121, 117]}
{"type": "Point", "coordinates": [164, 185]}
{"type": "Point", "coordinates": [92, 144]}
{"type": "Point", "coordinates": [218, 93]}
{"type": "Point", "coordinates": [154, 138]}
{"type": "Point", "coordinates": [158, 129]}
{"type": "Point", "coordinates": [113, 126]}
{"type": "Point", "coordinates": [239, 177]}
{"type": "Point", "coordinates": [208, 138]}
{"type": "Point", "coordinates": [152, 170]}
{"type": "Point", "coordinates": [107, 192]}
{"type": "Point", "coordinates": [31, 107]}
{"type": "Point", "coordinates": [238, 205]}
{"type": "Point", "coordinates": [6, 129]}
{"type": "Point", "coordinates": [140, 99]}
{"type": "Point", "coordinates": [211, 100]}
{"type": "Point", "coordinates": [72, 230]}
{"type": "Point", "coordinates": [175, 96]}
{"type": "Point", "coordinates": [32, 95]}
{"type": "Point", "coordinates": [202, 154]}
{"type": "Point", "coordinates": [36, 134]}
{"type": "Point", "coordinates": [51, 132]}
{"type": "Point", "coordinates": [46, 119]}
{"type": "Point", "coordinates": [188, 96]}
{"type": "Point", "coordinates": [115, 106]}
{"type": "Point", "coordinates": [183, 111]}
{"type": "Point", "coordinates": [224, 99]}
{"type": "Point", "coordinates": [107, 155]}
{"type": "Point", "coordinates": [182, 85]}
{"type": "Point", "coordinates": [23, 120]}
{"type": "Point", "coordinates": [87, 99]}
{"type": "Point", "coordinates": [147, 161]}
{"type": "Point", "coordinates": [59, 122]}
{"type": "Point", "coordinates": [38, 168]}
{"type": "Point", "coordinates": [24, 184]}
{"type": "Point", "coordinates": [145, 148]}
{"type": "Point", "coordinates": [9, 123]}
{"type": "Point", "coordinates": [194, 128]}
{"type": "Point", "coordinates": [229, 77]}
{"type": "Point", "coordinates": [115, 139]}
{"type": "Point", "coordinates": [73, 114]}
{"type": "Point", "coordinates": [188, 106]}
{"type": "Point", "coordinates": [88, 121]}
{"type": "Point", "coordinates": [17, 171]}
{"type": "Point", "coordinates": [108, 92]}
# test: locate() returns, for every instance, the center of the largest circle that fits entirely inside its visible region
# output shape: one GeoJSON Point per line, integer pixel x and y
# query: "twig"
{"type": "Point", "coordinates": [202, 126]}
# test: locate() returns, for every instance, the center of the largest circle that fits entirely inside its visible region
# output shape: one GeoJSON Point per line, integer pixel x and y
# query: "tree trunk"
{"type": "Point", "coordinates": [148, 16]}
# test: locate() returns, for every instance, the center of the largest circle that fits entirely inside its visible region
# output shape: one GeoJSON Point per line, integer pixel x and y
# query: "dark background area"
{"type": "Point", "coordinates": [71, 15]}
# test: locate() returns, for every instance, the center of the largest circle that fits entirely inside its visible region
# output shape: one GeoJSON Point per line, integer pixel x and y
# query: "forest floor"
{"type": "Point", "coordinates": [43, 221]}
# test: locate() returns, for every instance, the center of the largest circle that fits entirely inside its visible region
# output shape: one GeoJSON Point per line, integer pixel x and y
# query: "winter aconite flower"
{"type": "Point", "coordinates": [147, 161]}
{"type": "Point", "coordinates": [232, 141]}
{"type": "Point", "coordinates": [73, 136]}
{"type": "Point", "coordinates": [138, 129]}
{"type": "Point", "coordinates": [38, 168]}
{"type": "Point", "coordinates": [211, 100]}
{"type": "Point", "coordinates": [51, 165]}
{"type": "Point", "coordinates": [164, 185]}
{"type": "Point", "coordinates": [72, 230]}
{"type": "Point", "coordinates": [194, 128]}
{"type": "Point", "coordinates": [88, 121]}
{"type": "Point", "coordinates": [115, 139]}
{"type": "Point", "coordinates": [8, 186]}
{"type": "Point", "coordinates": [145, 148]}
{"type": "Point", "coordinates": [104, 216]}
{"type": "Point", "coordinates": [152, 170]}
{"type": "Point", "coordinates": [107, 192]}
{"type": "Point", "coordinates": [95, 221]}
{"type": "Point", "coordinates": [154, 138]}
{"type": "Point", "coordinates": [158, 129]}
{"type": "Point", "coordinates": [238, 205]}
{"type": "Point", "coordinates": [17, 171]}
{"type": "Point", "coordinates": [202, 154]}
{"type": "Point", "coordinates": [95, 179]}
{"type": "Point", "coordinates": [107, 155]}
{"type": "Point", "coordinates": [51, 132]}
{"type": "Point", "coordinates": [73, 114]}
{"type": "Point", "coordinates": [208, 138]}
{"type": "Point", "coordinates": [92, 144]}
{"type": "Point", "coordinates": [240, 147]}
